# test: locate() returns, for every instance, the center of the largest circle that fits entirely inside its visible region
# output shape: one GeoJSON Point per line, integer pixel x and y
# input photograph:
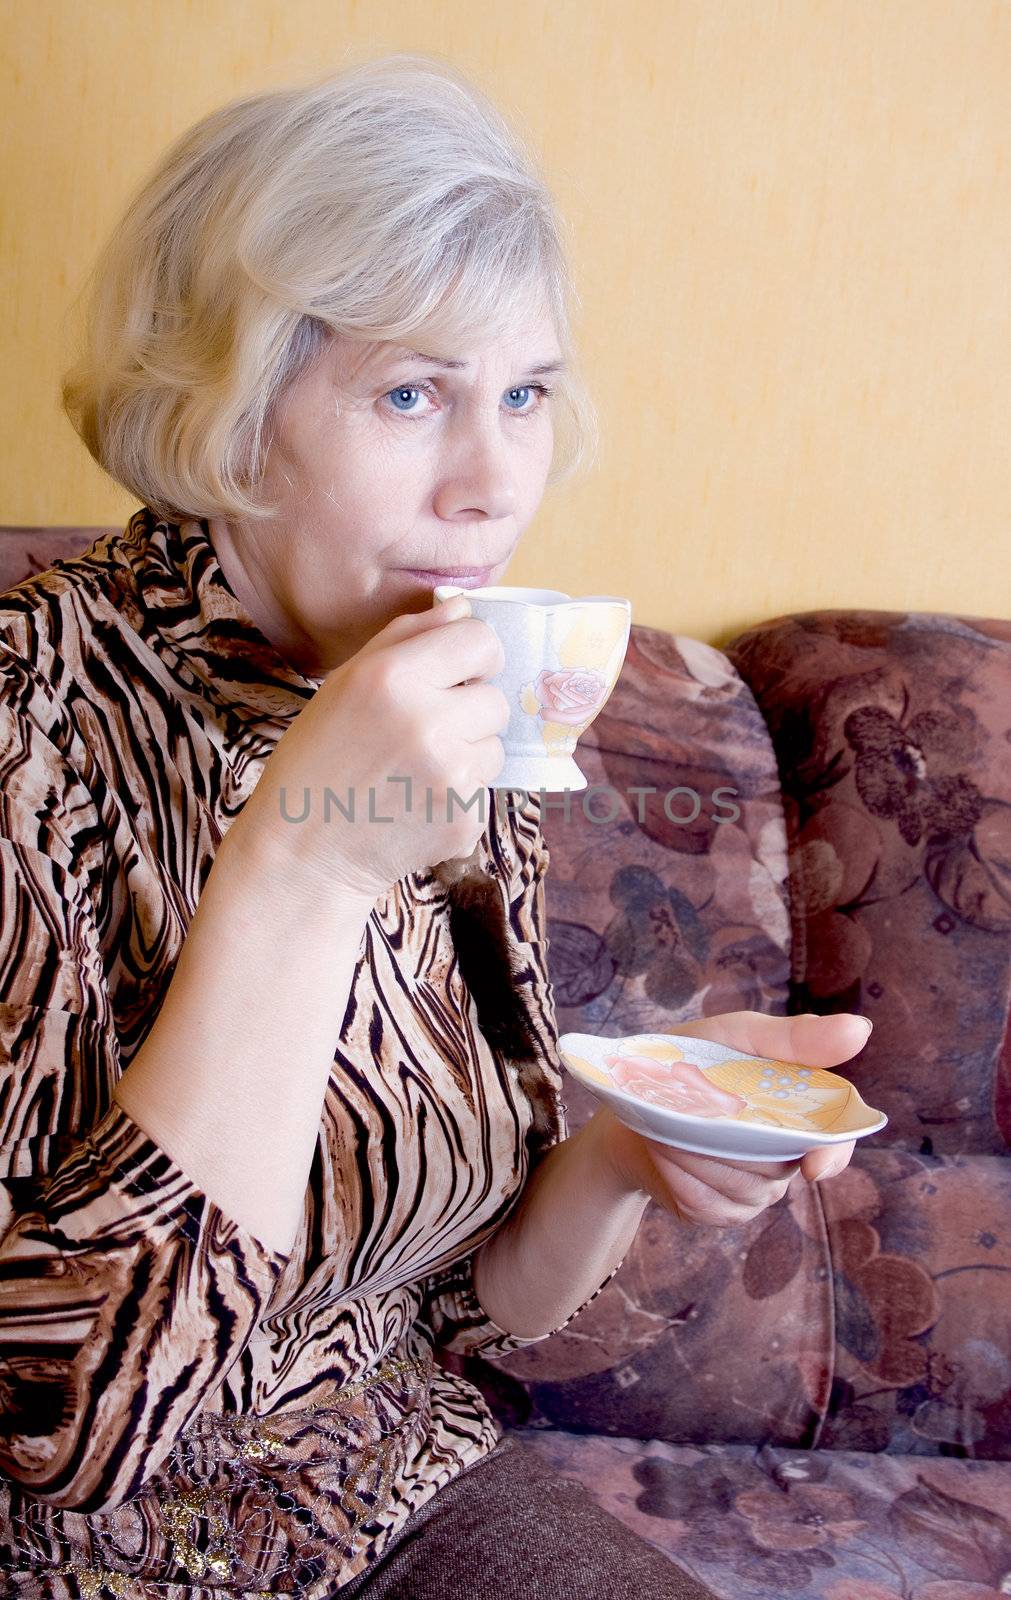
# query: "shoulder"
{"type": "Point", "coordinates": [48, 625]}
{"type": "Point", "coordinates": [48, 775]}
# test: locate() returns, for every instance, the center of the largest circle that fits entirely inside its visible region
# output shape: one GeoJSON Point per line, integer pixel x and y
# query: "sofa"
{"type": "Point", "coordinates": [817, 818]}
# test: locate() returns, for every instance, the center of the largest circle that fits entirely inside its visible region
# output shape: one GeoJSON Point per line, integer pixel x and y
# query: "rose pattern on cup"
{"type": "Point", "coordinates": [569, 695]}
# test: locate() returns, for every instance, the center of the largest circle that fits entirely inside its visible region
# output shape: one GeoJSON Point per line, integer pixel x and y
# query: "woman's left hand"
{"type": "Point", "coordinates": [709, 1189]}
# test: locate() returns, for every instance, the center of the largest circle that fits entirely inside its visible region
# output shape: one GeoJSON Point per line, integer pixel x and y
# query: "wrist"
{"type": "Point", "coordinates": [260, 856]}
{"type": "Point", "coordinates": [619, 1153]}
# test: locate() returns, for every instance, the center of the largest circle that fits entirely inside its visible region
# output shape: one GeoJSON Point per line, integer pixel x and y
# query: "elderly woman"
{"type": "Point", "coordinates": [280, 1099]}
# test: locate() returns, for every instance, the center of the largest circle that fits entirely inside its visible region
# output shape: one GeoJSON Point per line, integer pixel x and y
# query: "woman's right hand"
{"type": "Point", "coordinates": [401, 707]}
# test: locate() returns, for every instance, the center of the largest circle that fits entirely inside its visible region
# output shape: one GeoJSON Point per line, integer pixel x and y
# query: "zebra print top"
{"type": "Point", "coordinates": [185, 1412]}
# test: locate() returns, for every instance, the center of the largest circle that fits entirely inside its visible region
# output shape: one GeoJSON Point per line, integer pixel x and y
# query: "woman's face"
{"type": "Point", "coordinates": [381, 462]}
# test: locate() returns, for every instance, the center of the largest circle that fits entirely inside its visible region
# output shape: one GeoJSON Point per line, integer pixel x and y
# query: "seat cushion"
{"type": "Point", "coordinates": [780, 1524]}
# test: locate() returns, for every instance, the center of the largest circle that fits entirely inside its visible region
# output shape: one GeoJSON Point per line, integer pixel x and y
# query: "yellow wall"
{"type": "Point", "coordinates": [792, 239]}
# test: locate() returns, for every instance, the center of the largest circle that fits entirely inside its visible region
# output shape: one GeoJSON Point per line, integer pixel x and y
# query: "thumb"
{"type": "Point", "coordinates": [411, 623]}
{"type": "Point", "coordinates": [828, 1039]}
{"type": "Point", "coordinates": [811, 1039]}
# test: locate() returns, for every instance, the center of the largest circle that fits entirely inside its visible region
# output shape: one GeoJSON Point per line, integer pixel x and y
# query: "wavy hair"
{"type": "Point", "coordinates": [386, 201]}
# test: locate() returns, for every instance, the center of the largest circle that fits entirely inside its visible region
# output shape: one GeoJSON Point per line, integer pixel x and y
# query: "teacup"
{"type": "Point", "coordinates": [562, 660]}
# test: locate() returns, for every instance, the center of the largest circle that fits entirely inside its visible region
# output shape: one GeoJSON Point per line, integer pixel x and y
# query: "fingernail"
{"type": "Point", "coordinates": [868, 1024]}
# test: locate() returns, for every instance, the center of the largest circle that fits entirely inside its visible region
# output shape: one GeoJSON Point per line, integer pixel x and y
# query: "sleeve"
{"type": "Point", "coordinates": [125, 1293]}
{"type": "Point", "coordinates": [451, 1313]}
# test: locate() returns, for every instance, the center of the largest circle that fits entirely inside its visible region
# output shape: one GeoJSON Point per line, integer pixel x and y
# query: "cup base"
{"type": "Point", "coordinates": [552, 774]}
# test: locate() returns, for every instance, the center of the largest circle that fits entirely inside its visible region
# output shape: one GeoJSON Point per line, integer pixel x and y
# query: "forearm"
{"type": "Point", "coordinates": [575, 1221]}
{"type": "Point", "coordinates": [230, 1079]}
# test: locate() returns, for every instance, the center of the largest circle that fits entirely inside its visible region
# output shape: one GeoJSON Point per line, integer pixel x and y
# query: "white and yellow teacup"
{"type": "Point", "coordinates": [562, 660]}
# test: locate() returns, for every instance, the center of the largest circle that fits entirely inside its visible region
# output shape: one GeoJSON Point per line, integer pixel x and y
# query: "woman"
{"type": "Point", "coordinates": [273, 1072]}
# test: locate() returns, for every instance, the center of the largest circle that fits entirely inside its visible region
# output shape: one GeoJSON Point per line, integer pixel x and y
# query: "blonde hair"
{"type": "Point", "coordinates": [388, 200]}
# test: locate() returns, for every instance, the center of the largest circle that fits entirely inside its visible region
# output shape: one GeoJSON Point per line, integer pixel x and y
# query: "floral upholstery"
{"type": "Point", "coordinates": [816, 1403]}
{"type": "Point", "coordinates": [892, 734]}
{"type": "Point", "coordinates": [867, 1318]}
{"type": "Point", "coordinates": [767, 1523]}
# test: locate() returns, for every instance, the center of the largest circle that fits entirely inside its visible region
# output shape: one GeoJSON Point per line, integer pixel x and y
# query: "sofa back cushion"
{"type": "Point", "coordinates": [25, 551]}
{"type": "Point", "coordinates": [868, 1313]}
{"type": "Point", "coordinates": [666, 895]}
{"type": "Point", "coordinates": [891, 732]}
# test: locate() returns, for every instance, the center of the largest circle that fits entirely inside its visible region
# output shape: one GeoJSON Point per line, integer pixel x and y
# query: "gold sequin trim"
{"type": "Point", "coordinates": [390, 1370]}
{"type": "Point", "coordinates": [177, 1515]}
{"type": "Point", "coordinates": [92, 1580]}
{"type": "Point", "coordinates": [259, 1441]}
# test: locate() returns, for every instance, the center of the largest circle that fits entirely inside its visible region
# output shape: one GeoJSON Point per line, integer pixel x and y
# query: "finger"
{"type": "Point", "coordinates": [770, 1169]}
{"type": "Point", "coordinates": [410, 623]}
{"type": "Point", "coordinates": [477, 652]}
{"type": "Point", "coordinates": [743, 1185]}
{"type": "Point", "coordinates": [809, 1039]}
{"type": "Point", "coordinates": [479, 710]}
{"type": "Point", "coordinates": [697, 1201]}
{"type": "Point", "coordinates": [827, 1162]}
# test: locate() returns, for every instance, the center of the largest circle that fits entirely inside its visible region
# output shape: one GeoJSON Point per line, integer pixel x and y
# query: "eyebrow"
{"type": "Point", "coordinates": [539, 367]}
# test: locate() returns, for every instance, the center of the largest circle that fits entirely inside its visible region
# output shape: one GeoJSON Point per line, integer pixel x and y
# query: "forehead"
{"type": "Point", "coordinates": [534, 347]}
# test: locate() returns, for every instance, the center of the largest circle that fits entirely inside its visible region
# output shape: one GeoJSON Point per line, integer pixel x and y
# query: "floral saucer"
{"type": "Point", "coordinates": [715, 1101]}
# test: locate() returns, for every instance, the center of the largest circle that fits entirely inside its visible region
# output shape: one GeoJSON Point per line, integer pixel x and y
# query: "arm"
{"type": "Point", "coordinates": [531, 1277]}
{"type": "Point", "coordinates": [127, 1288]}
{"type": "Point", "coordinates": [564, 1242]}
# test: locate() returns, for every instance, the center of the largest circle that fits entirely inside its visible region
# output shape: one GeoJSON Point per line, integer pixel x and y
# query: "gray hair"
{"type": "Point", "coordinates": [388, 200]}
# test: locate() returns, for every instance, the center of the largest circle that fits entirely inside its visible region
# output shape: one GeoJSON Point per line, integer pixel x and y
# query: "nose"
{"type": "Point", "coordinates": [479, 479]}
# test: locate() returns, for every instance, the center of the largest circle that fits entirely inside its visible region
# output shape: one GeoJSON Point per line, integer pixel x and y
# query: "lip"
{"type": "Point", "coordinates": [466, 577]}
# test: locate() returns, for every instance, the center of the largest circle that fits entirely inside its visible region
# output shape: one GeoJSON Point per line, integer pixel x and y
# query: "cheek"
{"type": "Point", "coordinates": [536, 462]}
{"type": "Point", "coordinates": [367, 486]}
{"type": "Point", "coordinates": [350, 450]}
{"type": "Point", "coordinates": [544, 438]}
{"type": "Point", "coordinates": [380, 465]}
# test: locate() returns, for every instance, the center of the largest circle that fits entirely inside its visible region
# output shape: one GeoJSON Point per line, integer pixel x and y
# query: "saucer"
{"type": "Point", "coordinates": [716, 1101]}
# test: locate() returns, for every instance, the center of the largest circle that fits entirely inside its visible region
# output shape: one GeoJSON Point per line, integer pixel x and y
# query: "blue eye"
{"type": "Point", "coordinates": [404, 391]}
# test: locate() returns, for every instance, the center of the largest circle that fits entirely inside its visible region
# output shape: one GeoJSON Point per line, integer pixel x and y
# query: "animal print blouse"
{"type": "Point", "coordinates": [185, 1412]}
